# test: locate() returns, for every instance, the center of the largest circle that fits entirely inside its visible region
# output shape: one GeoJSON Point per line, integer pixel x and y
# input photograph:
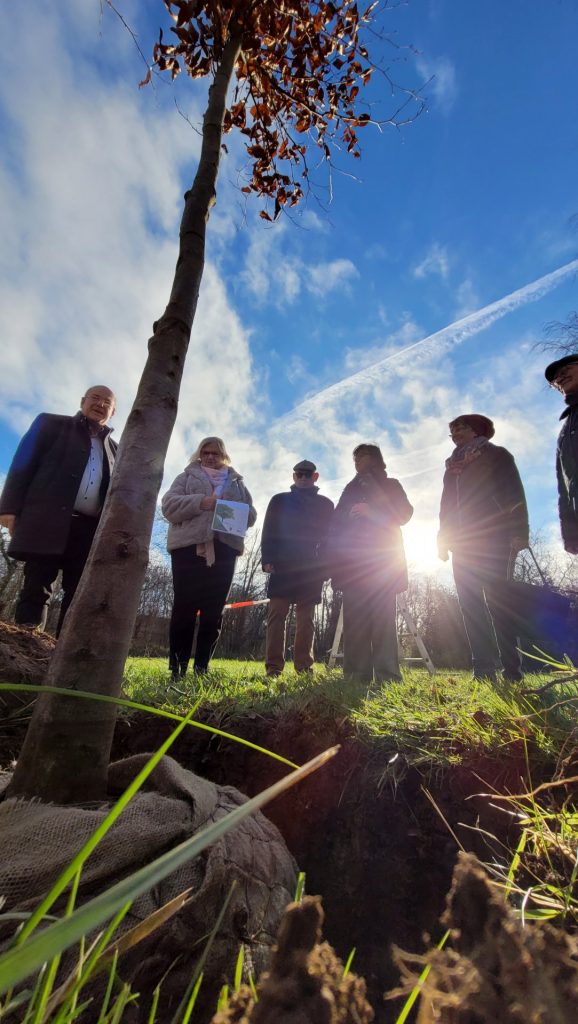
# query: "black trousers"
{"type": "Point", "coordinates": [480, 579]}
{"type": "Point", "coordinates": [40, 574]}
{"type": "Point", "coordinates": [198, 588]}
{"type": "Point", "coordinates": [370, 648]}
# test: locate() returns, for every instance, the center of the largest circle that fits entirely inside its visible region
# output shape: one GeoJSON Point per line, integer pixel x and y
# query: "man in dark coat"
{"type": "Point", "coordinates": [53, 497]}
{"type": "Point", "coordinates": [484, 523]}
{"type": "Point", "coordinates": [294, 531]}
{"type": "Point", "coordinates": [563, 375]}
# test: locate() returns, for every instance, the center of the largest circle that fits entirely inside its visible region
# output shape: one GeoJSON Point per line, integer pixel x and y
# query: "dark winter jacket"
{"type": "Point", "coordinates": [368, 550]}
{"type": "Point", "coordinates": [43, 481]}
{"type": "Point", "coordinates": [294, 534]}
{"type": "Point", "coordinates": [567, 473]}
{"type": "Point", "coordinates": [484, 506]}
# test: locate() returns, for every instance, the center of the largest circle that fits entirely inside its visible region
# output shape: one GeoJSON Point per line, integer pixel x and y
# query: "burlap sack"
{"type": "Point", "coordinates": [38, 840]}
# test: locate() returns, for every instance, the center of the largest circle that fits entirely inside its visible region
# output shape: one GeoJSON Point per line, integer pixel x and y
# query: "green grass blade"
{"type": "Point", "coordinates": [348, 963]}
{"type": "Point", "coordinates": [185, 1009]}
{"type": "Point", "coordinates": [124, 997]}
{"type": "Point", "coordinates": [300, 887]}
{"type": "Point", "coordinates": [36, 991]}
{"type": "Point", "coordinates": [108, 991]}
{"type": "Point", "coordinates": [238, 980]}
{"type": "Point", "coordinates": [123, 702]}
{"type": "Point", "coordinates": [408, 1005]}
{"type": "Point", "coordinates": [154, 1005]}
{"type": "Point", "coordinates": [192, 1000]}
{"type": "Point", "coordinates": [515, 862]}
{"type": "Point", "coordinates": [84, 970]}
{"type": "Point", "coordinates": [253, 987]}
{"type": "Point", "coordinates": [21, 961]}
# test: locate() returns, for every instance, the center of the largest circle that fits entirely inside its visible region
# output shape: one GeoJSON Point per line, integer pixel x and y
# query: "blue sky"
{"type": "Point", "coordinates": [470, 204]}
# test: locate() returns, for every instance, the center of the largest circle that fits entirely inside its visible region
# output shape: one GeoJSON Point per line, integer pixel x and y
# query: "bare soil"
{"type": "Point", "coordinates": [373, 836]}
{"type": "Point", "coordinates": [377, 839]}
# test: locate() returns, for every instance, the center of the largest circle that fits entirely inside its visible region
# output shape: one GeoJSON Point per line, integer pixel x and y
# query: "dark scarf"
{"type": "Point", "coordinates": [571, 403]}
{"type": "Point", "coordinates": [465, 454]}
{"type": "Point", "coordinates": [304, 490]}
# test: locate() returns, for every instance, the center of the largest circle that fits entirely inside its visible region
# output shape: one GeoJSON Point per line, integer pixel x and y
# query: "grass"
{"type": "Point", "coordinates": [431, 721]}
{"type": "Point", "coordinates": [428, 722]}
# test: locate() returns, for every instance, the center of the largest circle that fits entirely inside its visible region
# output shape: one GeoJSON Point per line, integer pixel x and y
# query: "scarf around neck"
{"type": "Point", "coordinates": [465, 454]}
{"type": "Point", "coordinates": [218, 478]}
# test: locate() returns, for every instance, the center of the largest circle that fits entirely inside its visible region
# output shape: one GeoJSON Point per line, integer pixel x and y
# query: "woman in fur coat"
{"type": "Point", "coordinates": [203, 560]}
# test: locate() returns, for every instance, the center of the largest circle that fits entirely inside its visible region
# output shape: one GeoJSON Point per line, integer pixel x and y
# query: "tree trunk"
{"type": "Point", "coordinates": [66, 752]}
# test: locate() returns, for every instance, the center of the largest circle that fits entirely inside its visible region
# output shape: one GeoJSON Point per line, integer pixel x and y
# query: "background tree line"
{"type": "Point", "coordinates": [432, 604]}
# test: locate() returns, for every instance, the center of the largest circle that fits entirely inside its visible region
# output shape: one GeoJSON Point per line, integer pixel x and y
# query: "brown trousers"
{"type": "Point", "coordinates": [276, 632]}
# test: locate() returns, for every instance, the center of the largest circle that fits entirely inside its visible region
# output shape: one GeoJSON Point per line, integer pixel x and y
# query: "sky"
{"type": "Point", "coordinates": [416, 285]}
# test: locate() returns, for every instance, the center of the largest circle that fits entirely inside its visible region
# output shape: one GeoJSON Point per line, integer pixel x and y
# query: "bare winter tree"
{"type": "Point", "coordinates": [11, 574]}
{"type": "Point", "coordinates": [243, 630]}
{"type": "Point", "coordinates": [299, 69]}
{"type": "Point", "coordinates": [562, 335]}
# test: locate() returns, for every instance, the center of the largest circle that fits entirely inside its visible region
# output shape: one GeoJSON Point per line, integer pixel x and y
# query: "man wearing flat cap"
{"type": "Point", "coordinates": [294, 532]}
{"type": "Point", "coordinates": [563, 375]}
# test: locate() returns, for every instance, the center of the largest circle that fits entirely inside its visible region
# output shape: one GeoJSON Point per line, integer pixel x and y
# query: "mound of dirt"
{"type": "Point", "coordinates": [24, 658]}
{"type": "Point", "coordinates": [24, 654]}
{"type": "Point", "coordinates": [497, 969]}
{"type": "Point", "coordinates": [306, 983]}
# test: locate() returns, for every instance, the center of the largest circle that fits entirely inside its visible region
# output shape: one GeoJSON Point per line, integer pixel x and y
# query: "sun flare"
{"type": "Point", "coordinates": [421, 547]}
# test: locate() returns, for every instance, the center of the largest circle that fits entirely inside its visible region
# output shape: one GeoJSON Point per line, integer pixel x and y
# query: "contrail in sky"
{"type": "Point", "coordinates": [433, 345]}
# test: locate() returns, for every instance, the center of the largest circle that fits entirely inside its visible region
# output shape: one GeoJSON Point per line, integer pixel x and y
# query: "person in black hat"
{"type": "Point", "coordinates": [484, 523]}
{"type": "Point", "coordinates": [562, 374]}
{"type": "Point", "coordinates": [294, 531]}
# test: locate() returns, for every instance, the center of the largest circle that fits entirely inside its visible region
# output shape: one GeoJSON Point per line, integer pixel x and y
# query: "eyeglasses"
{"type": "Point", "coordinates": [205, 454]}
{"type": "Point", "coordinates": [304, 472]}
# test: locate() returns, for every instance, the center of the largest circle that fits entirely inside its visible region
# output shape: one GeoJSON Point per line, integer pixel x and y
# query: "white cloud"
{"type": "Point", "coordinates": [269, 274]}
{"type": "Point", "coordinates": [467, 298]}
{"type": "Point", "coordinates": [296, 370]}
{"type": "Point", "coordinates": [435, 261]}
{"type": "Point", "coordinates": [441, 74]}
{"type": "Point", "coordinates": [326, 277]}
{"type": "Point", "coordinates": [90, 208]}
{"type": "Point", "coordinates": [90, 199]}
{"type": "Point", "coordinates": [272, 275]}
{"type": "Point", "coordinates": [357, 358]}
{"type": "Point", "coordinates": [405, 401]}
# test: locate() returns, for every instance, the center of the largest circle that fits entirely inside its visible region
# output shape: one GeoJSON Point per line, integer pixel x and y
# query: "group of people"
{"type": "Point", "coordinates": [57, 483]}
{"type": "Point", "coordinates": [304, 542]}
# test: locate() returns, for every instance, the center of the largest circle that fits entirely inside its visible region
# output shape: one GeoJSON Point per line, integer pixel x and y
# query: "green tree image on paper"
{"type": "Point", "coordinates": [222, 513]}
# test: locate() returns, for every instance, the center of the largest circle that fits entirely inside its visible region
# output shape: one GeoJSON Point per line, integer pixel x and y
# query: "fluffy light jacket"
{"type": "Point", "coordinates": [189, 523]}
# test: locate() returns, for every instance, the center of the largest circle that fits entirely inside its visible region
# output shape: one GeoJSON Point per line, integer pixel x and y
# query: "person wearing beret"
{"type": "Point", "coordinates": [294, 532]}
{"type": "Point", "coordinates": [563, 375]}
{"type": "Point", "coordinates": [484, 523]}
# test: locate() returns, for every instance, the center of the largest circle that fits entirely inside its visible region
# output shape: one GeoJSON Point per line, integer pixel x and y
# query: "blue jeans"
{"type": "Point", "coordinates": [481, 583]}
